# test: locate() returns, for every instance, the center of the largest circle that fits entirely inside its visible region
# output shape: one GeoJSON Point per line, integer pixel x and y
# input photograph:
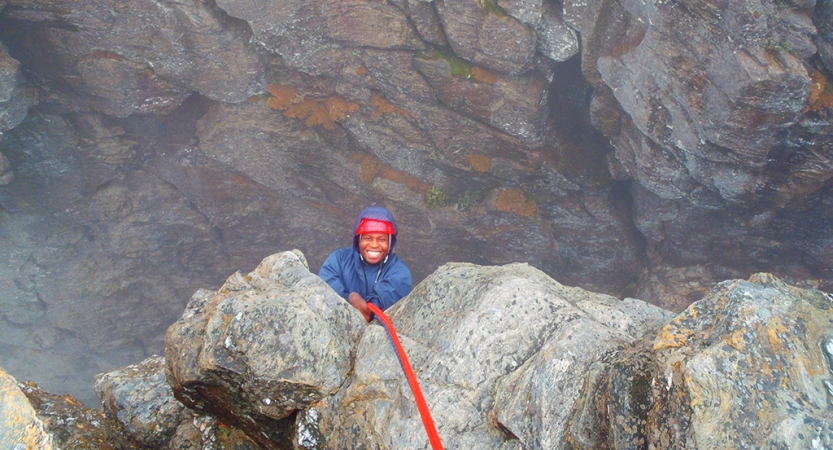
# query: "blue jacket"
{"type": "Point", "coordinates": [382, 284]}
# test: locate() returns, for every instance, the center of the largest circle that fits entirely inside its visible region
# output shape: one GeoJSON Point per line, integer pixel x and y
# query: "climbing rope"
{"type": "Point", "coordinates": [427, 421]}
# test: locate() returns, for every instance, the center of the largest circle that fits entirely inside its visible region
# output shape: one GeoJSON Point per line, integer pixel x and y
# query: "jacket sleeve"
{"type": "Point", "coordinates": [331, 273]}
{"type": "Point", "coordinates": [394, 284]}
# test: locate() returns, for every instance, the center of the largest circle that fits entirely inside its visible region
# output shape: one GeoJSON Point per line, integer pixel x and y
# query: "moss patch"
{"type": "Point", "coordinates": [435, 197]}
{"type": "Point", "coordinates": [461, 68]}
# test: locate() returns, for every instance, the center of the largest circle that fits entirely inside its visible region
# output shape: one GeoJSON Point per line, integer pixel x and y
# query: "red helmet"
{"type": "Point", "coordinates": [374, 226]}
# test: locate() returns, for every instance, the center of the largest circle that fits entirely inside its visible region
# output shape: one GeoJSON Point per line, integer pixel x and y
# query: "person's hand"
{"type": "Point", "coordinates": [359, 303]}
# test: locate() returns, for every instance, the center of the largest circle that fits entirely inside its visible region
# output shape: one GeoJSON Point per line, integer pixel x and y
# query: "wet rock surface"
{"type": "Point", "coordinates": [150, 148]}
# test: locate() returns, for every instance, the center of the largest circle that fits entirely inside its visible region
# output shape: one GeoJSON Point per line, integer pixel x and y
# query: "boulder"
{"type": "Point", "coordinates": [139, 397]}
{"type": "Point", "coordinates": [489, 345]}
{"type": "Point", "coordinates": [262, 347]}
{"type": "Point", "coordinates": [750, 365]}
{"type": "Point", "coordinates": [823, 20]}
{"type": "Point", "coordinates": [20, 426]}
{"type": "Point", "coordinates": [206, 432]}
{"type": "Point", "coordinates": [74, 426]}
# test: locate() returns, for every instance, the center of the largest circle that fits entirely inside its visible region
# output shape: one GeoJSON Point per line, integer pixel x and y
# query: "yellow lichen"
{"type": "Point", "coordinates": [774, 328]}
{"type": "Point", "coordinates": [382, 106]}
{"type": "Point", "coordinates": [670, 337]}
{"type": "Point", "coordinates": [480, 163]}
{"type": "Point", "coordinates": [515, 201]}
{"type": "Point", "coordinates": [676, 334]}
{"type": "Point", "coordinates": [736, 340]}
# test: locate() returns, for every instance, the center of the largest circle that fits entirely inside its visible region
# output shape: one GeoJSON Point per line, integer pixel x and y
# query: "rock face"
{"type": "Point", "coordinates": [706, 109]}
{"type": "Point", "coordinates": [633, 149]}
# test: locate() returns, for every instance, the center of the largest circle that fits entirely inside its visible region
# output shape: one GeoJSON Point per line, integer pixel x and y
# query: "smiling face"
{"type": "Point", "coordinates": [374, 247]}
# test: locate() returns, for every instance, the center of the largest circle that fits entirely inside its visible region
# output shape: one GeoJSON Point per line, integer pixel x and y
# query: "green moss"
{"type": "Point", "coordinates": [491, 7]}
{"type": "Point", "coordinates": [435, 197]}
{"type": "Point", "coordinates": [459, 66]}
{"type": "Point", "coordinates": [468, 199]}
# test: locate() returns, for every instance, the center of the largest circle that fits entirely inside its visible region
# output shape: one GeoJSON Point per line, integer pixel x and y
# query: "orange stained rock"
{"type": "Point", "coordinates": [736, 340]}
{"type": "Point", "coordinates": [483, 75]}
{"type": "Point", "coordinates": [774, 328]}
{"type": "Point", "coordinates": [676, 334]}
{"type": "Point", "coordinates": [821, 92]}
{"type": "Point", "coordinates": [282, 96]}
{"type": "Point", "coordinates": [362, 71]}
{"type": "Point", "coordinates": [339, 108]}
{"type": "Point", "coordinates": [382, 106]}
{"type": "Point", "coordinates": [18, 420]}
{"type": "Point", "coordinates": [515, 201]}
{"type": "Point", "coordinates": [324, 112]}
{"type": "Point", "coordinates": [372, 167]}
{"type": "Point", "coordinates": [480, 163]}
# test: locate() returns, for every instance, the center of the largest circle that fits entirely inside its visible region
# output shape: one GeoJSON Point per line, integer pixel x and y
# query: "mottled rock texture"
{"type": "Point", "coordinates": [501, 355]}
{"type": "Point", "coordinates": [636, 149]}
{"type": "Point", "coordinates": [265, 345]}
{"type": "Point", "coordinates": [19, 427]}
{"type": "Point", "coordinates": [73, 426]}
{"type": "Point", "coordinates": [139, 397]}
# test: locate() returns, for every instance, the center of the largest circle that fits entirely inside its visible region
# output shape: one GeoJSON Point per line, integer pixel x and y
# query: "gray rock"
{"type": "Point", "coordinates": [20, 428]}
{"type": "Point", "coordinates": [759, 344]}
{"type": "Point", "coordinates": [139, 397]}
{"type": "Point", "coordinates": [426, 21]}
{"type": "Point", "coordinates": [747, 366]}
{"type": "Point", "coordinates": [488, 38]}
{"type": "Point", "coordinates": [556, 40]}
{"type": "Point", "coordinates": [8, 74]}
{"type": "Point", "coordinates": [265, 345]}
{"type": "Point", "coordinates": [514, 105]}
{"type": "Point", "coordinates": [124, 58]}
{"type": "Point", "coordinates": [823, 18]}
{"type": "Point", "coordinates": [483, 341]}
{"type": "Point", "coordinates": [15, 99]}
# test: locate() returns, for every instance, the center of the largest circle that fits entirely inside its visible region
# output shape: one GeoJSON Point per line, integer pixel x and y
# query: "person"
{"type": "Point", "coordinates": [368, 271]}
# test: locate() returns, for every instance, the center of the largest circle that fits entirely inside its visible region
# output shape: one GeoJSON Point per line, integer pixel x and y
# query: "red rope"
{"type": "Point", "coordinates": [427, 421]}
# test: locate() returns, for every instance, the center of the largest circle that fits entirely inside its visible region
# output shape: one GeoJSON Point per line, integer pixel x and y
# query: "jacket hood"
{"type": "Point", "coordinates": [377, 213]}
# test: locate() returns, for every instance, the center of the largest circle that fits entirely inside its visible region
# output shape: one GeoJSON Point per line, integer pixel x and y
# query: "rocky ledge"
{"type": "Point", "coordinates": [507, 358]}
